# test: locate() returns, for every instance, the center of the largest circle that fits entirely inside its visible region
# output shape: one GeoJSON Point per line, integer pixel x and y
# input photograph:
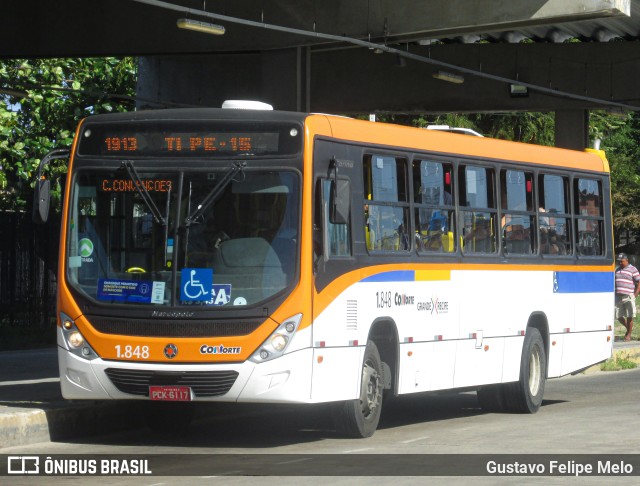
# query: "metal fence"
{"type": "Point", "coordinates": [28, 264]}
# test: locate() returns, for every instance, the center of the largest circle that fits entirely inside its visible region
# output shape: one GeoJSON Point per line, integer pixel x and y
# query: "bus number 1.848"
{"type": "Point", "coordinates": [128, 352]}
{"type": "Point", "coordinates": [383, 300]}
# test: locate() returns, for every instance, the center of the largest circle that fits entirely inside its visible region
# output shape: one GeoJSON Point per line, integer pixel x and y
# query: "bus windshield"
{"type": "Point", "coordinates": [140, 236]}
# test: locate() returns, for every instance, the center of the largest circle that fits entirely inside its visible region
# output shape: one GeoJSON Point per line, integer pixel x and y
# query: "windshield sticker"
{"type": "Point", "coordinates": [157, 292]}
{"type": "Point", "coordinates": [125, 290]}
{"type": "Point", "coordinates": [240, 301]}
{"type": "Point", "coordinates": [221, 294]}
{"type": "Point", "coordinates": [85, 248]}
{"type": "Point", "coordinates": [196, 285]}
{"type": "Point", "coordinates": [75, 262]}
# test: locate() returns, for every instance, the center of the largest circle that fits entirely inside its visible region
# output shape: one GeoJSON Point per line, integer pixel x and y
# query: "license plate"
{"type": "Point", "coordinates": [170, 393]}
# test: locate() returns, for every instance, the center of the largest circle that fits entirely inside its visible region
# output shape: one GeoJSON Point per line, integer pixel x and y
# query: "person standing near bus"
{"type": "Point", "coordinates": [627, 289]}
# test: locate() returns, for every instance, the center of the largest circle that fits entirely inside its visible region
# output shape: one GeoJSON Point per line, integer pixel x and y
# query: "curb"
{"type": "Point", "coordinates": [632, 348]}
{"type": "Point", "coordinates": [23, 426]}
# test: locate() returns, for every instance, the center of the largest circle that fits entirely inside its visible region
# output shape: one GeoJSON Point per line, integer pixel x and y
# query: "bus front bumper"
{"type": "Point", "coordinates": [286, 379]}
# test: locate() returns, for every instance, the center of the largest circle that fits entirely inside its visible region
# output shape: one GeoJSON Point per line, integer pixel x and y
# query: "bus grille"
{"type": "Point", "coordinates": [203, 383]}
{"type": "Point", "coordinates": [176, 328]}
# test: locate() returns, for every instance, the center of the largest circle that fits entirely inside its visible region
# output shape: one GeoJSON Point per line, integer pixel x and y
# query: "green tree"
{"type": "Point", "coordinates": [620, 136]}
{"type": "Point", "coordinates": [41, 103]}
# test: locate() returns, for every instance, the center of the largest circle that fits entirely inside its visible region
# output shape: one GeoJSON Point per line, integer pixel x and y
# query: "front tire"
{"type": "Point", "coordinates": [359, 418]}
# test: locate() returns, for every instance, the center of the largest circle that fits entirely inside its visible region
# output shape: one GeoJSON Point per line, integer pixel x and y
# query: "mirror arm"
{"type": "Point", "coordinates": [53, 155]}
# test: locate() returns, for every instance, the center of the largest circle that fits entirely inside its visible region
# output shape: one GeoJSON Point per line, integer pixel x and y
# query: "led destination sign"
{"type": "Point", "coordinates": [190, 139]}
{"type": "Point", "coordinates": [185, 143]}
{"type": "Point", "coordinates": [128, 185]}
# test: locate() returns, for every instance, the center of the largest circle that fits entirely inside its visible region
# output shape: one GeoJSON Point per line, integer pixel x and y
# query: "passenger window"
{"type": "Point", "coordinates": [553, 219]}
{"type": "Point", "coordinates": [589, 220]}
{"type": "Point", "coordinates": [386, 206]}
{"type": "Point", "coordinates": [518, 217]}
{"type": "Point", "coordinates": [478, 219]}
{"type": "Point", "coordinates": [434, 210]}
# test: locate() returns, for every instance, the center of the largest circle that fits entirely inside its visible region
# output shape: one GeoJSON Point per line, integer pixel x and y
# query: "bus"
{"type": "Point", "coordinates": [216, 255]}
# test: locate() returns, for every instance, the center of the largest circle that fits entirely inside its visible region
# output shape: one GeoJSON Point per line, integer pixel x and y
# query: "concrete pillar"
{"type": "Point", "coordinates": [572, 129]}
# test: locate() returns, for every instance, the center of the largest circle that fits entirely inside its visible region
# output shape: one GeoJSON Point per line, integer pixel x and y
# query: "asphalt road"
{"type": "Point", "coordinates": [586, 414]}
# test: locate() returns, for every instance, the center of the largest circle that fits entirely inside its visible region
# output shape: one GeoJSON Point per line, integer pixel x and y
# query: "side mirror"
{"type": "Point", "coordinates": [339, 201]}
{"type": "Point", "coordinates": [42, 189]}
{"type": "Point", "coordinates": [41, 201]}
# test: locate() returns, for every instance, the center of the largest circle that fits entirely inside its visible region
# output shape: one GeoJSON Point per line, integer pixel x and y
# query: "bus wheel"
{"type": "Point", "coordinates": [525, 396]}
{"type": "Point", "coordinates": [359, 418]}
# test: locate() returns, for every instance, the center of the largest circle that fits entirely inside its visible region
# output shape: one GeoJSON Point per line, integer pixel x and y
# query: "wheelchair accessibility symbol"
{"type": "Point", "coordinates": [196, 284]}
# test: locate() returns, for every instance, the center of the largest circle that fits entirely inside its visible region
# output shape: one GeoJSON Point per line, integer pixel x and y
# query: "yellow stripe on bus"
{"type": "Point", "coordinates": [430, 275]}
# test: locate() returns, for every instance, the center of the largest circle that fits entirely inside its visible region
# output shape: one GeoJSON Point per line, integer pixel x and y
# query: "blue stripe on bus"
{"type": "Point", "coordinates": [582, 282]}
{"type": "Point", "coordinates": [394, 276]}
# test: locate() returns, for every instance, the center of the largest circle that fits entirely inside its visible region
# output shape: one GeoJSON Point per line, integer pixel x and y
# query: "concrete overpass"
{"type": "Point", "coordinates": [358, 56]}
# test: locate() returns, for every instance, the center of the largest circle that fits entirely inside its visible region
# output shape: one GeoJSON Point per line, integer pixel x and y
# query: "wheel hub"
{"type": "Point", "coordinates": [371, 390]}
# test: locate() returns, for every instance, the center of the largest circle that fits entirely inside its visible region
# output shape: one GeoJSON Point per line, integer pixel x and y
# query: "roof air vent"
{"type": "Point", "coordinates": [246, 105]}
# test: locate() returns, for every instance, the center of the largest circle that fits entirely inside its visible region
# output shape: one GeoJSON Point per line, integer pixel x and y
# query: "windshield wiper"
{"type": "Point", "coordinates": [142, 190]}
{"type": "Point", "coordinates": [214, 193]}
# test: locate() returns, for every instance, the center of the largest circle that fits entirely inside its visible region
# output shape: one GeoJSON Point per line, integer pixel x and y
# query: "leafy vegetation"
{"type": "Point", "coordinates": [41, 103]}
{"type": "Point", "coordinates": [619, 361]}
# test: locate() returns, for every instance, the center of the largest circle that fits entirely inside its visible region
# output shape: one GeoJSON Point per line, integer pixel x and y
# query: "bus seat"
{"type": "Point", "coordinates": [372, 242]}
{"type": "Point", "coordinates": [448, 242]}
{"type": "Point", "coordinates": [251, 266]}
{"type": "Point", "coordinates": [437, 240]}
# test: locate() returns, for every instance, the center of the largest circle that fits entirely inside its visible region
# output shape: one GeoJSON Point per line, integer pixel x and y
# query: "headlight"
{"type": "Point", "coordinates": [73, 339]}
{"type": "Point", "coordinates": [276, 344]}
{"type": "Point", "coordinates": [279, 342]}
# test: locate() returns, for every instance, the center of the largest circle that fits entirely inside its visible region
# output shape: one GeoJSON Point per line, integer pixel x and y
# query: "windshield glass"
{"type": "Point", "coordinates": [133, 239]}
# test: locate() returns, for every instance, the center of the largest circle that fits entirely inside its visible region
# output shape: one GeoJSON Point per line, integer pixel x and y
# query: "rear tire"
{"type": "Point", "coordinates": [525, 396]}
{"type": "Point", "coordinates": [359, 418]}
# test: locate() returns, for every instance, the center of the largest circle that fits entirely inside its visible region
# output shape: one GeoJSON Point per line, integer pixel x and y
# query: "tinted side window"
{"type": "Point", "coordinates": [589, 220]}
{"type": "Point", "coordinates": [518, 217]}
{"type": "Point", "coordinates": [386, 205]}
{"type": "Point", "coordinates": [553, 217]}
{"type": "Point", "coordinates": [434, 210]}
{"type": "Point", "coordinates": [478, 223]}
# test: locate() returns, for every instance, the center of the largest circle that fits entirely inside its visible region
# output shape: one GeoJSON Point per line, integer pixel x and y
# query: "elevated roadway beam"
{"type": "Point", "coordinates": [76, 28]}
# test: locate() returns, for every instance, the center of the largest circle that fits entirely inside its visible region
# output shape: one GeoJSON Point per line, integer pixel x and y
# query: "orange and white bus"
{"type": "Point", "coordinates": [264, 256]}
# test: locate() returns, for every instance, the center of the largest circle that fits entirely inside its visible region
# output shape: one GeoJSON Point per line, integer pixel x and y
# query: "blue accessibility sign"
{"type": "Point", "coordinates": [196, 284]}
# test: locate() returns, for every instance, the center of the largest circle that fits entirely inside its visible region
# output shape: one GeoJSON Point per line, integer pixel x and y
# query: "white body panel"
{"type": "Point", "coordinates": [471, 330]}
{"type": "Point", "coordinates": [462, 328]}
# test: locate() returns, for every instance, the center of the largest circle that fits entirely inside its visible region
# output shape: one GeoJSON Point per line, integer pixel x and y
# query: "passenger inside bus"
{"type": "Point", "coordinates": [552, 238]}
{"type": "Point", "coordinates": [479, 237]}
